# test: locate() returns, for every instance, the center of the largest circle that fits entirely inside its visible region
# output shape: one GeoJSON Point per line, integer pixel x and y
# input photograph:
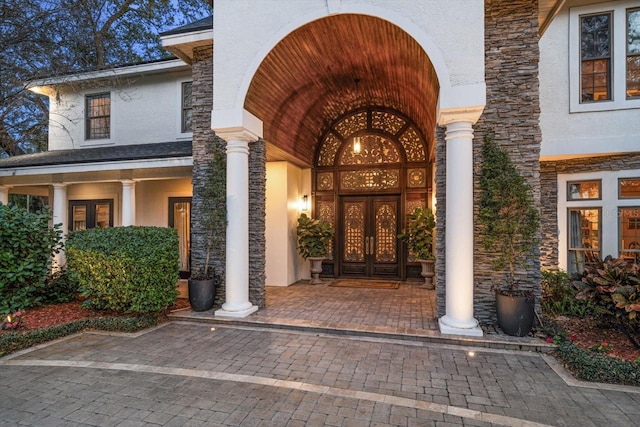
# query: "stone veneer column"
{"type": "Point", "coordinates": [128, 203]}
{"type": "Point", "coordinates": [4, 194]}
{"type": "Point", "coordinates": [60, 216]}
{"type": "Point", "coordinates": [459, 318]}
{"type": "Point", "coordinates": [237, 249]}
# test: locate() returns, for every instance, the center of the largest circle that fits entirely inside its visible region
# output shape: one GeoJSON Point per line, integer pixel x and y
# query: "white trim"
{"type": "Point", "coordinates": [618, 53]}
{"type": "Point", "coordinates": [151, 68]}
{"type": "Point", "coordinates": [170, 162]}
{"type": "Point", "coordinates": [188, 37]}
{"type": "Point", "coordinates": [609, 203]}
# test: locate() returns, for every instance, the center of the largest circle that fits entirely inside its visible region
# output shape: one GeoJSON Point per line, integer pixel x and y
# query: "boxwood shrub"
{"type": "Point", "coordinates": [126, 269]}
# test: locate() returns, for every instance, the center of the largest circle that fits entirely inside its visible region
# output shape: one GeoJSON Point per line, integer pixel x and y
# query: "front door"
{"type": "Point", "coordinates": [368, 236]}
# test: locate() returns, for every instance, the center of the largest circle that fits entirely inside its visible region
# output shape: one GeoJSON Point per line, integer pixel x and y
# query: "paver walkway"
{"type": "Point", "coordinates": [194, 374]}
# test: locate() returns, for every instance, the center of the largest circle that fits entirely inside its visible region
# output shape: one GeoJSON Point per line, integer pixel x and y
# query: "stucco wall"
{"type": "Point", "coordinates": [143, 110]}
{"type": "Point", "coordinates": [565, 133]}
{"type": "Point", "coordinates": [246, 30]}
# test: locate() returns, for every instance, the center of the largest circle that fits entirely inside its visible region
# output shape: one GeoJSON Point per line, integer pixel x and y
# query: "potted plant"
{"type": "Point", "coordinates": [509, 224]}
{"type": "Point", "coordinates": [419, 238]}
{"type": "Point", "coordinates": [202, 284]}
{"type": "Point", "coordinates": [313, 243]}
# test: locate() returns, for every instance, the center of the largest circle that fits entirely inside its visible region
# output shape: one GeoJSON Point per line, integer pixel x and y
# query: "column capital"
{"type": "Point", "coordinates": [465, 114]}
{"type": "Point", "coordinates": [59, 185]}
{"type": "Point", "coordinates": [128, 182]}
{"type": "Point", "coordinates": [237, 134]}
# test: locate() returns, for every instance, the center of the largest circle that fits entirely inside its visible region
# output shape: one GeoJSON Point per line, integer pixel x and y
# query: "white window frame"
{"type": "Point", "coordinates": [608, 203]}
{"type": "Point", "coordinates": [189, 134]}
{"type": "Point", "coordinates": [619, 99]}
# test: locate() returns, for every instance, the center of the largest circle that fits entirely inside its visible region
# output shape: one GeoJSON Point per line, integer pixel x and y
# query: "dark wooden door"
{"type": "Point", "coordinates": [368, 241]}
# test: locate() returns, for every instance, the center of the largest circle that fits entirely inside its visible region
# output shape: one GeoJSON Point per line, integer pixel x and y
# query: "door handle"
{"type": "Point", "coordinates": [372, 245]}
{"type": "Point", "coordinates": [366, 246]}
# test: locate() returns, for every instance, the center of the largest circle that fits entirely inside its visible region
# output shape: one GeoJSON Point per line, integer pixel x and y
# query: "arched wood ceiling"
{"type": "Point", "coordinates": [334, 65]}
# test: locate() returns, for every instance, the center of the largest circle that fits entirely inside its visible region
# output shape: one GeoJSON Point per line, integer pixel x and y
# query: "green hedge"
{"type": "Point", "coordinates": [27, 244]}
{"type": "Point", "coordinates": [126, 269]}
{"type": "Point", "coordinates": [16, 341]}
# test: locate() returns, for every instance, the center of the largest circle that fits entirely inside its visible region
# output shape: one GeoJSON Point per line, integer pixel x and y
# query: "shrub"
{"type": "Point", "coordinates": [60, 287]}
{"type": "Point", "coordinates": [27, 244]}
{"type": "Point", "coordinates": [126, 269]}
{"type": "Point", "coordinates": [559, 296]}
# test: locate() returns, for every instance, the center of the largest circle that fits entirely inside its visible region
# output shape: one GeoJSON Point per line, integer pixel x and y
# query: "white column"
{"type": "Point", "coordinates": [128, 203]}
{"type": "Point", "coordinates": [4, 194]}
{"type": "Point", "coordinates": [237, 240]}
{"type": "Point", "coordinates": [459, 318]}
{"type": "Point", "coordinates": [60, 216]}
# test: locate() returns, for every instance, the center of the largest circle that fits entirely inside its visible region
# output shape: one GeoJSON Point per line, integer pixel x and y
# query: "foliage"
{"type": "Point", "coordinates": [614, 287]}
{"type": "Point", "coordinates": [53, 38]}
{"type": "Point", "coordinates": [508, 217]}
{"type": "Point", "coordinates": [12, 321]}
{"type": "Point", "coordinates": [126, 269]}
{"type": "Point", "coordinates": [27, 243]}
{"type": "Point", "coordinates": [59, 287]}
{"type": "Point", "coordinates": [591, 365]}
{"type": "Point", "coordinates": [214, 211]}
{"type": "Point", "coordinates": [419, 233]}
{"type": "Point", "coordinates": [12, 342]}
{"type": "Point", "coordinates": [559, 296]}
{"type": "Point", "coordinates": [313, 237]}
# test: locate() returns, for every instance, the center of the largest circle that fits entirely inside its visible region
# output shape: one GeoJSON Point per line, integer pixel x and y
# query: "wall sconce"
{"type": "Point", "coordinates": [304, 204]}
{"type": "Point", "coordinates": [357, 145]}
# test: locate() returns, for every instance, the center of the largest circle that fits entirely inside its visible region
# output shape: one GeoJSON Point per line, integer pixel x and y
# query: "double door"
{"type": "Point", "coordinates": [368, 236]}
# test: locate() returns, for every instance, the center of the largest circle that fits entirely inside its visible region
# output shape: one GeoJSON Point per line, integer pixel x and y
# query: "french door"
{"type": "Point", "coordinates": [180, 219]}
{"type": "Point", "coordinates": [85, 214]}
{"type": "Point", "coordinates": [368, 236]}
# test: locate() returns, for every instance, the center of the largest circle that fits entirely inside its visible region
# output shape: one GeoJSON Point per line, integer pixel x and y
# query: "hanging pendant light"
{"type": "Point", "coordinates": [357, 145]}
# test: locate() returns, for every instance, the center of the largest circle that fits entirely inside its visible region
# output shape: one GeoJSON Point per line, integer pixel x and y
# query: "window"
{"type": "Point", "coordinates": [595, 57]}
{"type": "Point", "coordinates": [633, 53]}
{"type": "Point", "coordinates": [629, 188]}
{"type": "Point", "coordinates": [604, 56]}
{"type": "Point", "coordinates": [98, 116]}
{"type": "Point", "coordinates": [180, 219]}
{"type": "Point", "coordinates": [187, 109]}
{"type": "Point", "coordinates": [584, 238]}
{"type": "Point", "coordinates": [84, 214]}
{"type": "Point", "coordinates": [629, 238]}
{"type": "Point", "coordinates": [583, 190]}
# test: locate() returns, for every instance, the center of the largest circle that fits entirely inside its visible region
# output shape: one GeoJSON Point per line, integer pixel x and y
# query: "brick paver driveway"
{"type": "Point", "coordinates": [194, 374]}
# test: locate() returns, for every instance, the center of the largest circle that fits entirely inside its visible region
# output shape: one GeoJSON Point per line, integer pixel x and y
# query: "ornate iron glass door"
{"type": "Point", "coordinates": [368, 239]}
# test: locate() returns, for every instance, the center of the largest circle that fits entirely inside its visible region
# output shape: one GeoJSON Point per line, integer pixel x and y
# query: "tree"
{"type": "Point", "coordinates": [52, 38]}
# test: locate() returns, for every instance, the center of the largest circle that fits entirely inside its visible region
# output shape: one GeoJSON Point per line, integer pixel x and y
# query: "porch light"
{"type": "Point", "coordinates": [357, 145]}
{"type": "Point", "coordinates": [303, 204]}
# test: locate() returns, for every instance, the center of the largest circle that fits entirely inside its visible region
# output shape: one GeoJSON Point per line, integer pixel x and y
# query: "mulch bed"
{"type": "Point", "coordinates": [51, 315]}
{"type": "Point", "coordinates": [587, 332]}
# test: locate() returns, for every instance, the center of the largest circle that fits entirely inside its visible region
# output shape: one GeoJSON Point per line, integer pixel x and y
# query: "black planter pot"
{"type": "Point", "coordinates": [515, 314]}
{"type": "Point", "coordinates": [202, 293]}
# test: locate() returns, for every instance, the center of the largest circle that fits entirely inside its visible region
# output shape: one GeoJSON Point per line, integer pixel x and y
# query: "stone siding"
{"type": "Point", "coordinates": [205, 142]}
{"type": "Point", "coordinates": [512, 111]}
{"type": "Point", "coordinates": [549, 187]}
{"type": "Point", "coordinates": [257, 223]}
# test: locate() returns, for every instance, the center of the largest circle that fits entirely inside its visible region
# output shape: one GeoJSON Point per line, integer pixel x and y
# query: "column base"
{"type": "Point", "coordinates": [456, 328]}
{"type": "Point", "coordinates": [240, 313]}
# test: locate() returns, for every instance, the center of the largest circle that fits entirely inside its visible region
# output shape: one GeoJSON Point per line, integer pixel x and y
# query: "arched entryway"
{"type": "Point", "coordinates": [371, 168]}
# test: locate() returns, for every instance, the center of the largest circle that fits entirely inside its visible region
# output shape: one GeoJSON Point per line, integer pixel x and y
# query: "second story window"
{"type": "Point", "coordinates": [633, 53]}
{"type": "Point", "coordinates": [187, 109]}
{"type": "Point", "coordinates": [98, 116]}
{"type": "Point", "coordinates": [595, 56]}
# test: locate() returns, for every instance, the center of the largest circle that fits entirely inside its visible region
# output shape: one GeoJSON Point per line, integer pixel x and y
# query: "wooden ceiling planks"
{"type": "Point", "coordinates": [332, 66]}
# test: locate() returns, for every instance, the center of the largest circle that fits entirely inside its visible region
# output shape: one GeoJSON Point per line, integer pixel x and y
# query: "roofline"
{"type": "Point", "coordinates": [137, 69]}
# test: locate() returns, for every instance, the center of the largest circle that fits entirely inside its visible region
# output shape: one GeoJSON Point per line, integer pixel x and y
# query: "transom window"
{"type": "Point", "coordinates": [98, 116]}
{"type": "Point", "coordinates": [583, 190]}
{"type": "Point", "coordinates": [629, 188]}
{"type": "Point", "coordinates": [187, 109]}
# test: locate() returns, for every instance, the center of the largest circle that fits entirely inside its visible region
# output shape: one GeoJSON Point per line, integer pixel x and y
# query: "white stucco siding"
{"type": "Point", "coordinates": [152, 199]}
{"type": "Point", "coordinates": [450, 31]}
{"type": "Point", "coordinates": [286, 184]}
{"type": "Point", "coordinates": [143, 110]}
{"type": "Point", "coordinates": [568, 134]}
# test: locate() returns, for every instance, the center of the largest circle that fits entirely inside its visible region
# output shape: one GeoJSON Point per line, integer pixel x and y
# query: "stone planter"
{"type": "Point", "coordinates": [316, 269]}
{"type": "Point", "coordinates": [428, 271]}
{"type": "Point", "coordinates": [202, 293]}
{"type": "Point", "coordinates": [515, 314]}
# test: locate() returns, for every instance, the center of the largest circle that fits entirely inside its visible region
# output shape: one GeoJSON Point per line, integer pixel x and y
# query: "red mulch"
{"type": "Point", "coordinates": [588, 332]}
{"type": "Point", "coordinates": [50, 315]}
